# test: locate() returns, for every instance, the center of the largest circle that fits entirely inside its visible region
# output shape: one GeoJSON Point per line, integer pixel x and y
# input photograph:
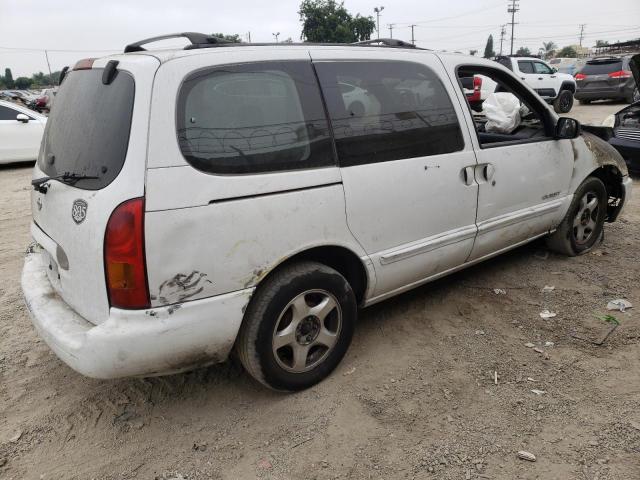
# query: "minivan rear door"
{"type": "Point", "coordinates": [96, 135]}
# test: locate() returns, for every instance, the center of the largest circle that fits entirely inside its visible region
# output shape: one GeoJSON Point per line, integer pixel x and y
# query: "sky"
{"type": "Point", "coordinates": [74, 29]}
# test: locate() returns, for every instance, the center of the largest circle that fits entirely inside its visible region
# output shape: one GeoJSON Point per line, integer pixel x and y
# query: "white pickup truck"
{"type": "Point", "coordinates": [554, 87]}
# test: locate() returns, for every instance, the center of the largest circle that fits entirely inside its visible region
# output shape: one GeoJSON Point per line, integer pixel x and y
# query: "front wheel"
{"type": "Point", "coordinates": [582, 227]}
{"type": "Point", "coordinates": [563, 102]}
{"type": "Point", "coordinates": [297, 327]}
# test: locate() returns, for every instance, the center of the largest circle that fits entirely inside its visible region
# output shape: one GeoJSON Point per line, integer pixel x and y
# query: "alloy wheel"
{"type": "Point", "coordinates": [585, 221]}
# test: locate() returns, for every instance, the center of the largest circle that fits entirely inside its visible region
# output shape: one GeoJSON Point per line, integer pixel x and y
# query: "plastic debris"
{"type": "Point", "coordinates": [499, 291]}
{"type": "Point", "coordinates": [546, 314]}
{"type": "Point", "coordinates": [538, 392]}
{"type": "Point", "coordinates": [549, 344]}
{"type": "Point", "coordinates": [528, 456]}
{"type": "Point", "coordinates": [538, 350]}
{"type": "Point", "coordinates": [529, 345]}
{"type": "Point", "coordinates": [619, 304]}
{"type": "Point", "coordinates": [548, 288]}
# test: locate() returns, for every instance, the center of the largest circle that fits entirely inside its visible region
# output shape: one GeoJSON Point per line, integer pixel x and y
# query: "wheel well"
{"type": "Point", "coordinates": [612, 179]}
{"type": "Point", "coordinates": [568, 86]}
{"type": "Point", "coordinates": [341, 259]}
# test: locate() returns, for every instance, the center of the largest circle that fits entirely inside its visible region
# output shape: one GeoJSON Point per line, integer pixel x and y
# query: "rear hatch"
{"type": "Point", "coordinates": [97, 129]}
{"type": "Point", "coordinates": [601, 75]}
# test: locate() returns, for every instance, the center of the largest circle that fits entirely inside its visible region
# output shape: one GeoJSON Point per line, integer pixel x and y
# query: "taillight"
{"type": "Point", "coordinates": [124, 258]}
{"type": "Point", "coordinates": [580, 76]}
{"type": "Point", "coordinates": [620, 74]}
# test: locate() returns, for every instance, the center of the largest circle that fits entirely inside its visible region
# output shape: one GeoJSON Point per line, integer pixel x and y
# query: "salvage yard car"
{"type": "Point", "coordinates": [190, 203]}
{"type": "Point", "coordinates": [607, 78]}
{"type": "Point", "coordinates": [21, 132]}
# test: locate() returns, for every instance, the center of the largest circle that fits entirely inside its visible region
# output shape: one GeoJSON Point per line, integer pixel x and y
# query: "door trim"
{"type": "Point", "coordinates": [428, 244]}
{"type": "Point", "coordinates": [518, 216]}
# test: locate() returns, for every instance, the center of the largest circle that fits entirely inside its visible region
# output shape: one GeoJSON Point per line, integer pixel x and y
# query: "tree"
{"type": "Point", "coordinates": [488, 50]}
{"type": "Point", "coordinates": [473, 52]}
{"type": "Point", "coordinates": [524, 52]}
{"type": "Point", "coordinates": [235, 38]}
{"type": "Point", "coordinates": [569, 52]}
{"type": "Point", "coordinates": [601, 43]}
{"type": "Point", "coordinates": [326, 21]}
{"type": "Point", "coordinates": [549, 48]}
{"type": "Point", "coordinates": [8, 78]}
{"type": "Point", "coordinates": [23, 83]}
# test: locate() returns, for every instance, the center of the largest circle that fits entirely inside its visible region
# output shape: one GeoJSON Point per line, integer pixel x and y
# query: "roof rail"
{"type": "Point", "coordinates": [387, 42]}
{"type": "Point", "coordinates": [194, 37]}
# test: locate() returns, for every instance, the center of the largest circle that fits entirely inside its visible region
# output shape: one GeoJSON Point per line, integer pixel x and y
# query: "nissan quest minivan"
{"type": "Point", "coordinates": [190, 203]}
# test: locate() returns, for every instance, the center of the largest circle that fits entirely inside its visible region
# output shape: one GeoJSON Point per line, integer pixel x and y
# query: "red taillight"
{"type": "Point", "coordinates": [84, 64]}
{"type": "Point", "coordinates": [620, 74]}
{"type": "Point", "coordinates": [124, 259]}
{"type": "Point", "coordinates": [580, 76]}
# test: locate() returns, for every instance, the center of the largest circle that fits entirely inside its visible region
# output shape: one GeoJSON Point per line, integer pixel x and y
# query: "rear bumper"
{"type": "Point", "coordinates": [133, 342]}
{"type": "Point", "coordinates": [613, 93]}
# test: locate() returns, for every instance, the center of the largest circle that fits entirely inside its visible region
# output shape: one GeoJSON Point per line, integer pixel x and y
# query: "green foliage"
{"type": "Point", "coordinates": [488, 49]}
{"type": "Point", "coordinates": [601, 43]}
{"type": "Point", "coordinates": [8, 78]}
{"type": "Point", "coordinates": [524, 52]}
{"type": "Point", "coordinates": [473, 52]}
{"type": "Point", "coordinates": [549, 48]}
{"type": "Point", "coordinates": [23, 83]}
{"type": "Point", "coordinates": [608, 319]}
{"type": "Point", "coordinates": [235, 38]}
{"type": "Point", "coordinates": [567, 52]}
{"type": "Point", "coordinates": [326, 21]}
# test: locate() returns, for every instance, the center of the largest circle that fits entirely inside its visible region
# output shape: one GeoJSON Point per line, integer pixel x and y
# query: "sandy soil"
{"type": "Point", "coordinates": [416, 396]}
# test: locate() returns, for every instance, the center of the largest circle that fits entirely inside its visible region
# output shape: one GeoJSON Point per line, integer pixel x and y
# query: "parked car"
{"type": "Point", "coordinates": [21, 132]}
{"type": "Point", "coordinates": [555, 88]}
{"type": "Point", "coordinates": [625, 125]}
{"type": "Point", "coordinates": [256, 209]}
{"type": "Point", "coordinates": [567, 65]}
{"type": "Point", "coordinates": [606, 78]}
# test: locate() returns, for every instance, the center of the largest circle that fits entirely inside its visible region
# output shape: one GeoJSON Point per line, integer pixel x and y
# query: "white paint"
{"type": "Point", "coordinates": [20, 141]}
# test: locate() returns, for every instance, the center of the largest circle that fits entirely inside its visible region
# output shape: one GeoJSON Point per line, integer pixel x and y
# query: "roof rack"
{"type": "Point", "coordinates": [194, 37]}
{"type": "Point", "coordinates": [202, 40]}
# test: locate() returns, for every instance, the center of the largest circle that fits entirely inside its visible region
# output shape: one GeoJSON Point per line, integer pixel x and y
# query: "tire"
{"type": "Point", "coordinates": [298, 326]}
{"type": "Point", "coordinates": [584, 102]}
{"type": "Point", "coordinates": [563, 102]}
{"type": "Point", "coordinates": [582, 227]}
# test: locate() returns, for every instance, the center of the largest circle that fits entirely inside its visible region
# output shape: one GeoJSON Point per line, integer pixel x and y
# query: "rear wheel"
{"type": "Point", "coordinates": [582, 227]}
{"type": "Point", "coordinates": [297, 327]}
{"type": "Point", "coordinates": [563, 102]}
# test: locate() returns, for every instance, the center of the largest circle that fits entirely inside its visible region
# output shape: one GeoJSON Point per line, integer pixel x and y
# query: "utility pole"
{"type": "Point", "coordinates": [513, 8]}
{"type": "Point", "coordinates": [378, 11]}
{"type": "Point", "coordinates": [391, 25]}
{"type": "Point", "coordinates": [276, 35]}
{"type": "Point", "coordinates": [46, 54]}
{"type": "Point", "coordinates": [413, 40]}
{"type": "Point", "coordinates": [582, 25]}
{"type": "Point", "coordinates": [249, 37]}
{"type": "Point", "coordinates": [503, 32]}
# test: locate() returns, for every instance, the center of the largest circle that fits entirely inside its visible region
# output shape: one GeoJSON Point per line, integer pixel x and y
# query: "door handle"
{"type": "Point", "coordinates": [540, 78]}
{"type": "Point", "coordinates": [488, 171]}
{"type": "Point", "coordinates": [467, 175]}
{"type": "Point", "coordinates": [522, 78]}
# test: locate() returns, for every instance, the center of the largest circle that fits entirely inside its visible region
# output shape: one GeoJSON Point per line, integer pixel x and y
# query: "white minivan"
{"type": "Point", "coordinates": [190, 203]}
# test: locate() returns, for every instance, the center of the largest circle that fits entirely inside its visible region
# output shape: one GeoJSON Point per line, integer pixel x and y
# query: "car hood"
{"type": "Point", "coordinates": [634, 63]}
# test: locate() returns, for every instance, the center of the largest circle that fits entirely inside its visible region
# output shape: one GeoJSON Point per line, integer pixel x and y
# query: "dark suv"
{"type": "Point", "coordinates": [606, 78]}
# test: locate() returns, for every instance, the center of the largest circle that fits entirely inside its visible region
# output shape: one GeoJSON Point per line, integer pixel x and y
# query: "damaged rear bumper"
{"type": "Point", "coordinates": [133, 342]}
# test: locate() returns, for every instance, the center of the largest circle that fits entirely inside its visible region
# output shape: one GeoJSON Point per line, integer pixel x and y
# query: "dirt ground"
{"type": "Point", "coordinates": [415, 398]}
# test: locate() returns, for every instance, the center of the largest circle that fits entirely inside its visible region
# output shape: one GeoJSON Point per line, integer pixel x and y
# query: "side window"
{"type": "Point", "coordinates": [396, 110]}
{"type": "Point", "coordinates": [505, 61]}
{"type": "Point", "coordinates": [542, 68]}
{"type": "Point", "coordinates": [250, 118]}
{"type": "Point", "coordinates": [525, 66]}
{"type": "Point", "coordinates": [7, 113]}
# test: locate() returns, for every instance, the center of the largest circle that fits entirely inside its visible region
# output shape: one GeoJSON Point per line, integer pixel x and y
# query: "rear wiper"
{"type": "Point", "coordinates": [41, 184]}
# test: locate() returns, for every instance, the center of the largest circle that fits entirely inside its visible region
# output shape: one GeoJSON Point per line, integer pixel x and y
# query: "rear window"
{"type": "Point", "coordinates": [599, 68]}
{"type": "Point", "coordinates": [88, 129]}
{"type": "Point", "coordinates": [251, 118]}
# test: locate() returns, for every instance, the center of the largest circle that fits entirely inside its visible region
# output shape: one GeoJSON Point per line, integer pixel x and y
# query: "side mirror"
{"type": "Point", "coordinates": [567, 128]}
{"type": "Point", "coordinates": [21, 117]}
{"type": "Point", "coordinates": [554, 69]}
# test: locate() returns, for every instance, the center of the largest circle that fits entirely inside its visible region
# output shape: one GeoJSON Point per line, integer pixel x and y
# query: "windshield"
{"type": "Point", "coordinates": [88, 130]}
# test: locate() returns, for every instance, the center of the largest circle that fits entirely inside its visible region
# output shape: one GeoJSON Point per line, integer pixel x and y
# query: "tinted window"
{"type": "Point", "coordinates": [397, 110]}
{"type": "Point", "coordinates": [88, 129]}
{"type": "Point", "coordinates": [600, 68]}
{"type": "Point", "coordinates": [505, 61]}
{"type": "Point", "coordinates": [542, 68]}
{"type": "Point", "coordinates": [7, 113]}
{"type": "Point", "coordinates": [525, 67]}
{"type": "Point", "coordinates": [253, 118]}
